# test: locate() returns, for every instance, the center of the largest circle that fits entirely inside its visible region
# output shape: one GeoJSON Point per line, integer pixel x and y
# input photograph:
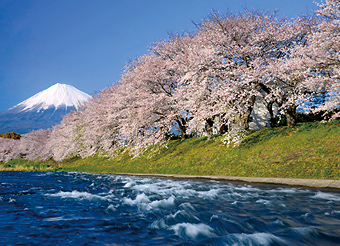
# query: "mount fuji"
{"type": "Point", "coordinates": [43, 110]}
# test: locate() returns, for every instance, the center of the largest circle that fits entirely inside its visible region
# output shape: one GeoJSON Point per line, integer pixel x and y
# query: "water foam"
{"type": "Point", "coordinates": [247, 188]}
{"type": "Point", "coordinates": [140, 198]}
{"type": "Point", "coordinates": [326, 196]}
{"type": "Point", "coordinates": [192, 231]}
{"type": "Point", "coordinates": [187, 206]}
{"type": "Point", "coordinates": [129, 184]}
{"type": "Point", "coordinates": [111, 208]}
{"type": "Point", "coordinates": [210, 193]}
{"type": "Point", "coordinates": [165, 203]}
{"type": "Point", "coordinates": [77, 195]}
{"type": "Point", "coordinates": [264, 202]}
{"type": "Point", "coordinates": [256, 239]}
{"type": "Point", "coordinates": [182, 215]}
{"type": "Point", "coordinates": [305, 232]}
{"type": "Point", "coordinates": [158, 225]}
{"type": "Point", "coordinates": [54, 219]}
{"type": "Point", "coordinates": [161, 187]}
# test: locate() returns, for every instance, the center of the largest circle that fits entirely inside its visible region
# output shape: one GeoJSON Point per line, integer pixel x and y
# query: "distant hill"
{"type": "Point", "coordinates": [43, 110]}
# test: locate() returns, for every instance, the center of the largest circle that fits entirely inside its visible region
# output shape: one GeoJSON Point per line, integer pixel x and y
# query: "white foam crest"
{"type": "Point", "coordinates": [246, 188]}
{"type": "Point", "coordinates": [129, 184]}
{"type": "Point", "coordinates": [188, 230]}
{"type": "Point", "coordinates": [235, 196]}
{"type": "Point", "coordinates": [153, 188]}
{"type": "Point", "coordinates": [158, 225]}
{"type": "Point", "coordinates": [326, 196]}
{"type": "Point", "coordinates": [237, 203]}
{"type": "Point", "coordinates": [278, 222]}
{"type": "Point", "coordinates": [183, 192]}
{"type": "Point", "coordinates": [165, 203]}
{"type": "Point", "coordinates": [261, 238]}
{"type": "Point", "coordinates": [175, 214]}
{"type": "Point", "coordinates": [263, 201]}
{"type": "Point", "coordinates": [111, 208]}
{"type": "Point", "coordinates": [108, 195]}
{"type": "Point", "coordinates": [42, 174]}
{"type": "Point", "coordinates": [289, 190]}
{"type": "Point", "coordinates": [62, 218]}
{"type": "Point", "coordinates": [209, 193]}
{"type": "Point", "coordinates": [129, 181]}
{"type": "Point", "coordinates": [77, 195]}
{"type": "Point", "coordinates": [53, 219]}
{"type": "Point", "coordinates": [305, 232]}
{"type": "Point", "coordinates": [140, 198]}
{"type": "Point", "coordinates": [182, 213]}
{"type": "Point", "coordinates": [187, 206]}
{"type": "Point", "coordinates": [185, 188]}
{"type": "Point", "coordinates": [165, 188]}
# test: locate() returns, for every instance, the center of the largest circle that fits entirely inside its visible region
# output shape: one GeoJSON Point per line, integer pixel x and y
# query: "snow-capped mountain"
{"type": "Point", "coordinates": [57, 96]}
{"type": "Point", "coordinates": [43, 110]}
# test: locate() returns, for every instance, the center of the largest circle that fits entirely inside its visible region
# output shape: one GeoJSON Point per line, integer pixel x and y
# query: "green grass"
{"type": "Point", "coordinates": [26, 165]}
{"type": "Point", "coordinates": [308, 150]}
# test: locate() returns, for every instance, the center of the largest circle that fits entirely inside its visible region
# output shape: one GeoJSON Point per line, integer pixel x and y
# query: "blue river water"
{"type": "Point", "coordinates": [56, 208]}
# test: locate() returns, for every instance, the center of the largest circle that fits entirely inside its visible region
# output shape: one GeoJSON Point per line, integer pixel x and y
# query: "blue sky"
{"type": "Point", "coordinates": [86, 43]}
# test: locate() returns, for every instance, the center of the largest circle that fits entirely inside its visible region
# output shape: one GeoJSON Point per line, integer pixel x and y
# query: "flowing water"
{"type": "Point", "coordinates": [46, 208]}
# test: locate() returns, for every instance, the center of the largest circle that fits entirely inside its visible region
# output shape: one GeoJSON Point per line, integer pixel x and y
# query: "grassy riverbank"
{"type": "Point", "coordinates": [308, 150]}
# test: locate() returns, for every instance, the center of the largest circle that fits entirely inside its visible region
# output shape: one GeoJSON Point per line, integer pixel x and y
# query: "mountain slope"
{"type": "Point", "coordinates": [43, 110]}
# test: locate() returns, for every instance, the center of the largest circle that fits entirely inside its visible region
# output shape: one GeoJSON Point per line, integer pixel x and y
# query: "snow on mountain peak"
{"type": "Point", "coordinates": [57, 95]}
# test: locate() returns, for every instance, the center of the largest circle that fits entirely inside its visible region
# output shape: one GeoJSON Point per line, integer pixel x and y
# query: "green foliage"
{"type": "Point", "coordinates": [11, 135]}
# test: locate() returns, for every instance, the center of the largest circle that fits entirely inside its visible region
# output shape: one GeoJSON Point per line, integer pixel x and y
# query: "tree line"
{"type": "Point", "coordinates": [211, 78]}
{"type": "Point", "coordinates": [10, 135]}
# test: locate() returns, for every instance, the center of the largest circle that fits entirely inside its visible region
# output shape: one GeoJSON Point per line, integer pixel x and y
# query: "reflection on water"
{"type": "Point", "coordinates": [90, 209]}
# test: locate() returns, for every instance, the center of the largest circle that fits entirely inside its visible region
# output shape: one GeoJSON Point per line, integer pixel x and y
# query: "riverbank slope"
{"type": "Point", "coordinates": [306, 151]}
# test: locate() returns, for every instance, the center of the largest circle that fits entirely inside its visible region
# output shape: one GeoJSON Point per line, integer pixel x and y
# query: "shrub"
{"type": "Point", "coordinates": [11, 135]}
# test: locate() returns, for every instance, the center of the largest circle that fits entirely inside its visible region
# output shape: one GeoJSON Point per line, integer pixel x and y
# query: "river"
{"type": "Point", "coordinates": [58, 208]}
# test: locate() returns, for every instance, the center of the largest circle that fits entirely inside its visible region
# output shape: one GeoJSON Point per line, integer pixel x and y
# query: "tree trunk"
{"type": "Point", "coordinates": [245, 121]}
{"type": "Point", "coordinates": [245, 118]}
{"type": "Point", "coordinates": [208, 126]}
{"type": "Point", "coordinates": [223, 128]}
{"type": "Point", "coordinates": [290, 114]}
{"type": "Point", "coordinates": [269, 107]}
{"type": "Point", "coordinates": [183, 129]}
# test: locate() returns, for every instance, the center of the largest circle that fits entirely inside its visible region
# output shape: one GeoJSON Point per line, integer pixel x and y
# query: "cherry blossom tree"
{"type": "Point", "coordinates": [180, 54]}
{"type": "Point", "coordinates": [33, 145]}
{"type": "Point", "coordinates": [240, 45]}
{"type": "Point", "coordinates": [324, 55]}
{"type": "Point", "coordinates": [65, 139]}
{"type": "Point", "coordinates": [287, 72]}
{"type": "Point", "coordinates": [94, 127]}
{"type": "Point", "coordinates": [197, 69]}
{"type": "Point", "coordinates": [151, 109]}
{"type": "Point", "coordinates": [8, 149]}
